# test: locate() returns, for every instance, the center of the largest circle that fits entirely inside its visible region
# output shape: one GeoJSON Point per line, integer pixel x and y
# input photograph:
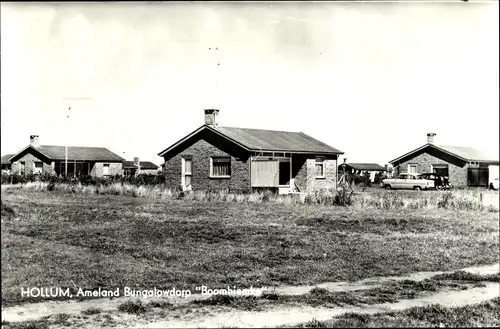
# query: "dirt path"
{"type": "Point", "coordinates": [295, 315]}
{"type": "Point", "coordinates": [34, 311]}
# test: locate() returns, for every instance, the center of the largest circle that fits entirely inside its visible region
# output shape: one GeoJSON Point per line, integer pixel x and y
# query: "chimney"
{"type": "Point", "coordinates": [34, 140]}
{"type": "Point", "coordinates": [212, 117]}
{"type": "Point", "coordinates": [430, 138]}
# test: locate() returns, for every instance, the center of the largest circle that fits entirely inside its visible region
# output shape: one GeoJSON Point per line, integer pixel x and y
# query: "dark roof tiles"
{"type": "Point", "coordinates": [79, 153]}
{"type": "Point", "coordinates": [271, 140]}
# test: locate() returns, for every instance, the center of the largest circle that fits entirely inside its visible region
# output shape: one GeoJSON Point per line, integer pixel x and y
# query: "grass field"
{"type": "Point", "coordinates": [93, 240]}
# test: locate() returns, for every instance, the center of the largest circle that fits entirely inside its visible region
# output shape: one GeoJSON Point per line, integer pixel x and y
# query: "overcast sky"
{"type": "Point", "coordinates": [370, 79]}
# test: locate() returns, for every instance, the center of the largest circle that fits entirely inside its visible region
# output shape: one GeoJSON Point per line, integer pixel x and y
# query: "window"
{"type": "Point", "coordinates": [38, 167]}
{"type": "Point", "coordinates": [22, 167]}
{"type": "Point", "coordinates": [320, 168]}
{"type": "Point", "coordinates": [105, 169]}
{"type": "Point", "coordinates": [220, 167]}
{"type": "Point", "coordinates": [187, 172]}
{"type": "Point", "coordinates": [412, 168]}
{"type": "Point", "coordinates": [441, 169]}
{"type": "Point", "coordinates": [473, 164]}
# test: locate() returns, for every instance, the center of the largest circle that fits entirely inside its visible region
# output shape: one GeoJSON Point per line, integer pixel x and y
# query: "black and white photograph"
{"type": "Point", "coordinates": [250, 164]}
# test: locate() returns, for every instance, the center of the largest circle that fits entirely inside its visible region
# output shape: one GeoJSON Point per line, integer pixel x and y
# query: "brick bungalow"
{"type": "Point", "coordinates": [243, 160]}
{"type": "Point", "coordinates": [465, 166]}
{"type": "Point", "coordinates": [137, 167]}
{"type": "Point", "coordinates": [360, 168]}
{"type": "Point", "coordinates": [36, 158]}
{"type": "Point", "coordinates": [6, 165]}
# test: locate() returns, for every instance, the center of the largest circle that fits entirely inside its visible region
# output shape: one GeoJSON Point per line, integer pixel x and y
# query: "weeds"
{"type": "Point", "coordinates": [160, 304]}
{"type": "Point", "coordinates": [92, 311]}
{"type": "Point", "coordinates": [467, 276]}
{"type": "Point", "coordinates": [449, 200]}
{"type": "Point", "coordinates": [241, 302]}
{"type": "Point", "coordinates": [132, 307]}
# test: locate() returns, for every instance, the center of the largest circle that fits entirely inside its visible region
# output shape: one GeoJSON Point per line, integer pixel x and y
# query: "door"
{"type": "Point", "coordinates": [284, 173]}
{"type": "Point", "coordinates": [265, 173]}
{"type": "Point", "coordinates": [399, 182]}
{"type": "Point", "coordinates": [408, 182]}
{"type": "Point", "coordinates": [477, 176]}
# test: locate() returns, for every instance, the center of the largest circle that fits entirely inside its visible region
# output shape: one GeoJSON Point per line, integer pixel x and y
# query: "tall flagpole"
{"type": "Point", "coordinates": [67, 128]}
{"type": "Point", "coordinates": [66, 147]}
{"type": "Point", "coordinates": [217, 64]}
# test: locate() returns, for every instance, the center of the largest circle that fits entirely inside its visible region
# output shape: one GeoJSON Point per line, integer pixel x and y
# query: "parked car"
{"type": "Point", "coordinates": [494, 184]}
{"type": "Point", "coordinates": [411, 181]}
{"type": "Point", "coordinates": [441, 182]}
{"type": "Point", "coordinates": [493, 173]}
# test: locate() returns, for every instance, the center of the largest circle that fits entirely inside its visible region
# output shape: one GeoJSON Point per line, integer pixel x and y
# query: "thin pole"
{"type": "Point", "coordinates": [217, 64]}
{"type": "Point", "coordinates": [66, 148]}
{"type": "Point", "coordinates": [66, 143]}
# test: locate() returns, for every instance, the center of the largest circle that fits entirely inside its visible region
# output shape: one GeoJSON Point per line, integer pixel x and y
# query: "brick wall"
{"type": "Point", "coordinates": [329, 181]}
{"type": "Point", "coordinates": [457, 174]}
{"type": "Point", "coordinates": [200, 152]}
{"type": "Point", "coordinates": [115, 168]}
{"type": "Point", "coordinates": [29, 165]}
{"type": "Point", "coordinates": [304, 173]}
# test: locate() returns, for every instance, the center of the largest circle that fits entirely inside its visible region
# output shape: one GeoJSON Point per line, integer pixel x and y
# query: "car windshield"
{"type": "Point", "coordinates": [418, 176]}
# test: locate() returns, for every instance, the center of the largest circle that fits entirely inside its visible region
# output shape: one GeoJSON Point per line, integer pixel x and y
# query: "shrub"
{"type": "Point", "coordinates": [343, 198]}
{"type": "Point", "coordinates": [379, 177]}
{"type": "Point", "coordinates": [160, 304]}
{"type": "Point", "coordinates": [91, 311]}
{"type": "Point", "coordinates": [132, 307]}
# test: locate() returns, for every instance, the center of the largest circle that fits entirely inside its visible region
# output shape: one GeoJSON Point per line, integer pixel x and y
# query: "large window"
{"type": "Point", "coordinates": [105, 169]}
{"type": "Point", "coordinates": [441, 169]}
{"type": "Point", "coordinates": [412, 168]}
{"type": "Point", "coordinates": [320, 168]}
{"type": "Point", "coordinates": [37, 167]}
{"type": "Point", "coordinates": [220, 167]}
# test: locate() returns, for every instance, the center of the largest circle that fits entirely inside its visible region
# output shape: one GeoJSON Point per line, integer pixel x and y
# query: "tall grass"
{"type": "Point", "coordinates": [471, 200]}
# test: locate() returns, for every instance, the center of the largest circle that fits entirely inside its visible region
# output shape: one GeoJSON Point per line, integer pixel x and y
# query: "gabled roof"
{"type": "Point", "coordinates": [365, 166]}
{"type": "Point", "coordinates": [144, 165]}
{"type": "Point", "coordinates": [469, 153]}
{"type": "Point", "coordinates": [80, 153]}
{"type": "Point", "coordinates": [461, 152]}
{"type": "Point", "coordinates": [5, 158]}
{"type": "Point", "coordinates": [266, 140]}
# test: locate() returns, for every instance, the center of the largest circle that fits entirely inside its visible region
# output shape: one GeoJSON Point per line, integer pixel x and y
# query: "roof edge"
{"type": "Point", "coordinates": [197, 131]}
{"type": "Point", "coordinates": [27, 147]}
{"type": "Point", "coordinates": [423, 147]}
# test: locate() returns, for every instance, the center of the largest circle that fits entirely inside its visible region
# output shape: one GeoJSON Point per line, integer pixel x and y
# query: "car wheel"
{"type": "Point", "coordinates": [388, 187]}
{"type": "Point", "coordinates": [417, 188]}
